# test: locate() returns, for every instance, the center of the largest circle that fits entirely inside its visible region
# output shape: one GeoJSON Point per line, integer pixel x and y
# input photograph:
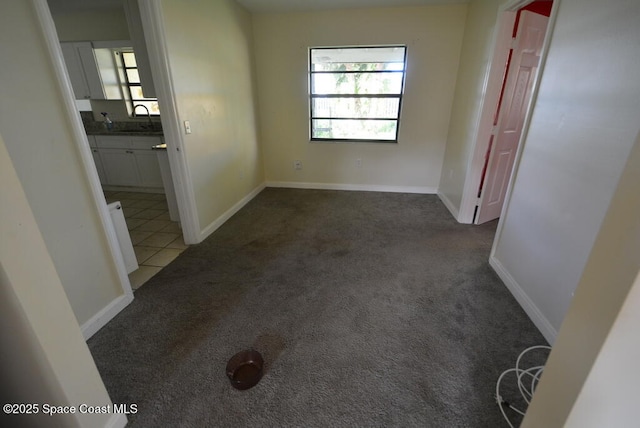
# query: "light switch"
{"type": "Point", "coordinates": [187, 127]}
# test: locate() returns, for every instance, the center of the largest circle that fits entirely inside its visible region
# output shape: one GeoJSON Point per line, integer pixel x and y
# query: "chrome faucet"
{"type": "Point", "coordinates": [148, 113]}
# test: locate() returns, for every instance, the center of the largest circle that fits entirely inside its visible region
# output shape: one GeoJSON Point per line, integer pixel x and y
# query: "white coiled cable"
{"type": "Point", "coordinates": [526, 389]}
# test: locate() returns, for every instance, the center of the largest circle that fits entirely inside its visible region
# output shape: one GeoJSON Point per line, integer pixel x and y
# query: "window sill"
{"type": "Point", "coordinates": [346, 140]}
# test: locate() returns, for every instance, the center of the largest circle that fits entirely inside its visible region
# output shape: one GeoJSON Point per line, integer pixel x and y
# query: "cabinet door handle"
{"type": "Point", "coordinates": [130, 151]}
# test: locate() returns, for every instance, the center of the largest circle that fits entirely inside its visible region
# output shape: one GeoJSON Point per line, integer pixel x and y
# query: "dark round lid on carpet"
{"type": "Point", "coordinates": [244, 369]}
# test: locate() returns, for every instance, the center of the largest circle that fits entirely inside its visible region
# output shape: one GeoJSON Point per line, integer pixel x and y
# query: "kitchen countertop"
{"type": "Point", "coordinates": [120, 128]}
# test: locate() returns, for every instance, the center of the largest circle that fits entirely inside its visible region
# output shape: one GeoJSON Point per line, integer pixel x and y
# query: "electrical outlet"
{"type": "Point", "coordinates": [358, 163]}
{"type": "Point", "coordinates": [297, 164]}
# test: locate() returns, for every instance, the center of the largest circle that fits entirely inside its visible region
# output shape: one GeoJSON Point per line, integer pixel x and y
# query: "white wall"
{"type": "Point", "coordinates": [599, 404]}
{"type": "Point", "coordinates": [433, 35]}
{"type": "Point", "coordinates": [43, 354]}
{"type": "Point", "coordinates": [109, 24]}
{"type": "Point", "coordinates": [583, 126]}
{"type": "Point", "coordinates": [591, 376]}
{"type": "Point", "coordinates": [211, 56]}
{"type": "Point", "coordinates": [39, 140]}
{"type": "Point", "coordinates": [474, 64]}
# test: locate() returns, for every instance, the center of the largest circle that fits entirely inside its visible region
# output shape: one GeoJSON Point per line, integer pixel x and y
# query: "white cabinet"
{"type": "Point", "coordinates": [83, 71]}
{"type": "Point", "coordinates": [129, 161]}
{"type": "Point", "coordinates": [97, 160]}
{"type": "Point", "coordinates": [120, 167]}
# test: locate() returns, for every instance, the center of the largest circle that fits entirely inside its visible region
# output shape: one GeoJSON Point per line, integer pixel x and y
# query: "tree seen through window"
{"type": "Point", "coordinates": [356, 93]}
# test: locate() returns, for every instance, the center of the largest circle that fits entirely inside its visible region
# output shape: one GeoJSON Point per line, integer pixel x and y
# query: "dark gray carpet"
{"type": "Point", "coordinates": [371, 309]}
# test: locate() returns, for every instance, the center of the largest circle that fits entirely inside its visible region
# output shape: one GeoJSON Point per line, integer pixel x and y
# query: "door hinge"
{"type": "Point", "coordinates": [514, 43]}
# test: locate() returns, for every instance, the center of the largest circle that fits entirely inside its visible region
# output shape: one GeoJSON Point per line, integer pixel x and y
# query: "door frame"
{"type": "Point", "coordinates": [153, 27]}
{"type": "Point", "coordinates": [179, 168]}
{"type": "Point", "coordinates": [48, 31]}
{"type": "Point", "coordinates": [505, 138]}
{"type": "Point", "coordinates": [491, 92]}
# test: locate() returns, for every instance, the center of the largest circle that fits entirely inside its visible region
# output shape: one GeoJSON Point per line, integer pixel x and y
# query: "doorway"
{"type": "Point", "coordinates": [478, 185]}
{"type": "Point", "coordinates": [127, 148]}
{"type": "Point", "coordinates": [156, 240]}
{"type": "Point", "coordinates": [521, 71]}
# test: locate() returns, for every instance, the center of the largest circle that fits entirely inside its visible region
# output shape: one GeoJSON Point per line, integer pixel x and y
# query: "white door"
{"type": "Point", "coordinates": [517, 93]}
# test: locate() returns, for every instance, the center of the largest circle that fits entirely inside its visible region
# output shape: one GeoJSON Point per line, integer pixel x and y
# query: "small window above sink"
{"type": "Point", "coordinates": [133, 87]}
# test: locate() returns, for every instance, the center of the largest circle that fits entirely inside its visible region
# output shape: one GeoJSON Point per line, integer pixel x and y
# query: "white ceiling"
{"type": "Point", "coordinates": [261, 6]}
{"type": "Point", "coordinates": [256, 6]}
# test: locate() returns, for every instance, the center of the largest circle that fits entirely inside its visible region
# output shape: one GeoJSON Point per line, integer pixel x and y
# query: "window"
{"type": "Point", "coordinates": [132, 83]}
{"type": "Point", "coordinates": [356, 93]}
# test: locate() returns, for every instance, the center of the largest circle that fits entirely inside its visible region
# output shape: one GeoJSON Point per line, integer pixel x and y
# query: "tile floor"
{"type": "Point", "coordinates": [156, 239]}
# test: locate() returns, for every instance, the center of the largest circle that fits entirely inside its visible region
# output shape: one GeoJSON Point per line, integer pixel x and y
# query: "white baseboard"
{"type": "Point", "coordinates": [450, 206]}
{"type": "Point", "coordinates": [358, 187]}
{"type": "Point", "coordinates": [105, 315]}
{"type": "Point", "coordinates": [118, 420]}
{"type": "Point", "coordinates": [543, 324]}
{"type": "Point", "coordinates": [230, 212]}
